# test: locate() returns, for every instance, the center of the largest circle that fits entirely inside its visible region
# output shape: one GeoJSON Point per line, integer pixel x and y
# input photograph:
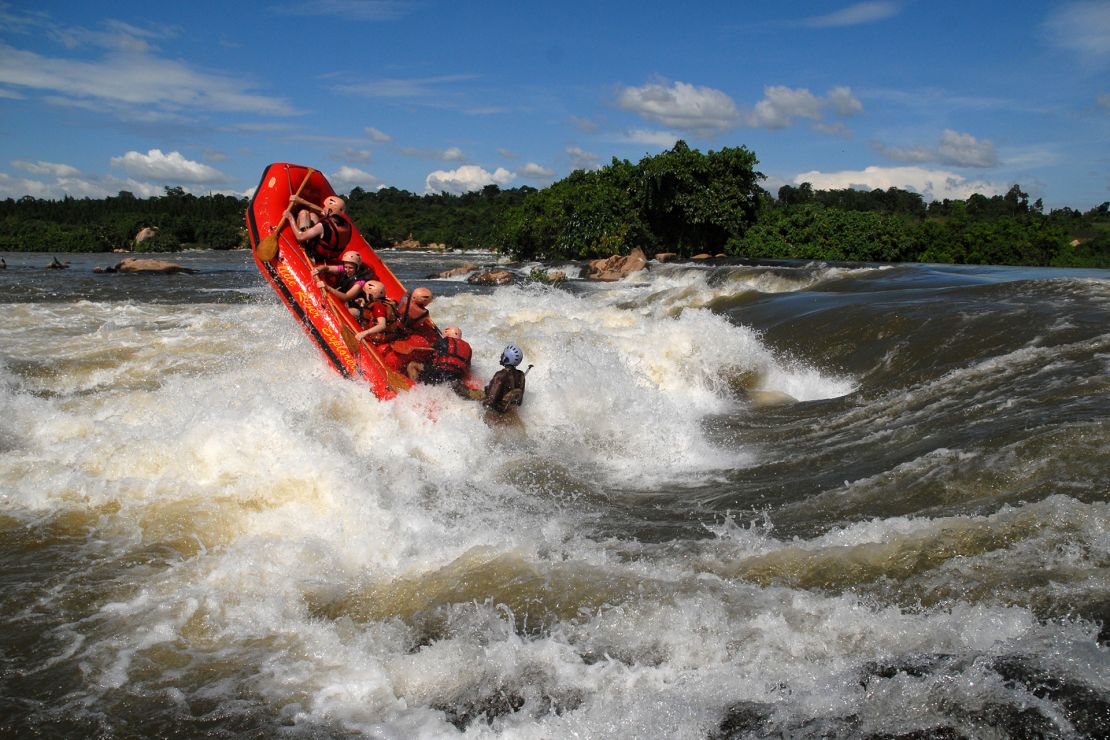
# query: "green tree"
{"type": "Point", "coordinates": [691, 201]}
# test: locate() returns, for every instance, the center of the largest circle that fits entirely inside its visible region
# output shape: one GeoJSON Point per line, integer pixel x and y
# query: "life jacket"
{"type": "Point", "coordinates": [403, 325]}
{"type": "Point", "coordinates": [345, 282]}
{"type": "Point", "coordinates": [330, 244]}
{"type": "Point", "coordinates": [452, 357]}
{"type": "Point", "coordinates": [388, 309]}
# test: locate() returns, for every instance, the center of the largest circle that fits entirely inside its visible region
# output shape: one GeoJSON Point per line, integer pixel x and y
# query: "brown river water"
{"type": "Point", "coordinates": [786, 500]}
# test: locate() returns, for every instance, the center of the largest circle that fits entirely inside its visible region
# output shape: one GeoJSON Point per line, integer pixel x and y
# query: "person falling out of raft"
{"type": "Point", "coordinates": [413, 319]}
{"type": "Point", "coordinates": [323, 231]}
{"type": "Point", "coordinates": [377, 313]}
{"type": "Point", "coordinates": [449, 363]}
{"type": "Point", "coordinates": [347, 279]}
{"type": "Point", "coordinates": [412, 333]}
{"type": "Point", "coordinates": [506, 388]}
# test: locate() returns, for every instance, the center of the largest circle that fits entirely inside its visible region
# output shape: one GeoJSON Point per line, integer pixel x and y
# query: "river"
{"type": "Point", "coordinates": [786, 500]}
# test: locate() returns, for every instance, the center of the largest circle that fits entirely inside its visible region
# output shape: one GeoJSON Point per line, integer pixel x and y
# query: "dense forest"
{"type": "Point", "coordinates": [680, 201]}
{"type": "Point", "coordinates": [181, 220]}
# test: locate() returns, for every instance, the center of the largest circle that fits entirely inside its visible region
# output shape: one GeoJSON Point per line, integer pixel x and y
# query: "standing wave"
{"type": "Point", "coordinates": [718, 521]}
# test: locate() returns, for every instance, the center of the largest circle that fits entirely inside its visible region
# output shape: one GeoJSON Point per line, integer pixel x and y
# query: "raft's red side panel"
{"type": "Point", "coordinates": [290, 275]}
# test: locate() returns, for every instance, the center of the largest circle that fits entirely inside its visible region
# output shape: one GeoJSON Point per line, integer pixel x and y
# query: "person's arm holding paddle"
{"type": "Point", "coordinates": [296, 200]}
{"type": "Point", "coordinates": [304, 233]}
{"type": "Point", "coordinates": [375, 312]}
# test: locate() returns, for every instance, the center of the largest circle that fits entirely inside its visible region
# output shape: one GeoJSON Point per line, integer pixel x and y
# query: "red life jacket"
{"type": "Point", "coordinates": [334, 240]}
{"type": "Point", "coordinates": [452, 356]}
{"type": "Point", "coordinates": [374, 309]}
{"type": "Point", "coordinates": [403, 325]}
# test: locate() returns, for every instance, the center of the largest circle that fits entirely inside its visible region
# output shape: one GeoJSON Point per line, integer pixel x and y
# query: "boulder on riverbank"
{"type": "Point", "coordinates": [411, 243]}
{"type": "Point", "coordinates": [616, 267]}
{"type": "Point", "coordinates": [132, 264]}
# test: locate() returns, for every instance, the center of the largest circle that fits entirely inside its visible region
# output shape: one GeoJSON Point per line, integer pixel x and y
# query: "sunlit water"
{"type": "Point", "coordinates": [747, 501]}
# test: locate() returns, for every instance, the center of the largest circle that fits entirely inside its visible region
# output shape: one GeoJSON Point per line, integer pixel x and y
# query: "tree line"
{"type": "Point", "coordinates": [180, 220]}
{"type": "Point", "coordinates": [681, 201]}
{"type": "Point", "coordinates": [686, 202]}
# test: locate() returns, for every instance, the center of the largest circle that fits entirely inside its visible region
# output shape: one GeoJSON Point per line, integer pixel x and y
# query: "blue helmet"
{"type": "Point", "coordinates": [512, 356]}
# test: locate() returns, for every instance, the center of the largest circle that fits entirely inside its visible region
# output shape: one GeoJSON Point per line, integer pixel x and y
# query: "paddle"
{"type": "Point", "coordinates": [404, 347]}
{"type": "Point", "coordinates": [268, 247]}
{"type": "Point", "coordinates": [393, 379]}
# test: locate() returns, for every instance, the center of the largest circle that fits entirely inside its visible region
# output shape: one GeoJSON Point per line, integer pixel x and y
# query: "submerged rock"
{"type": "Point", "coordinates": [455, 271]}
{"type": "Point", "coordinates": [146, 265]}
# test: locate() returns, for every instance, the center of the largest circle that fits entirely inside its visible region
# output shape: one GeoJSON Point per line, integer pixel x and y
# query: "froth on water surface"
{"type": "Point", "coordinates": [793, 500]}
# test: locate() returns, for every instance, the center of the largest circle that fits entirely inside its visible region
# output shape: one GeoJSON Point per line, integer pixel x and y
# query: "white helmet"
{"type": "Point", "coordinates": [512, 356]}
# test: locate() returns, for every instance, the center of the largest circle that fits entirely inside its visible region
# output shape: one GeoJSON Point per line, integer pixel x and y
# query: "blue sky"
{"type": "Point", "coordinates": [942, 98]}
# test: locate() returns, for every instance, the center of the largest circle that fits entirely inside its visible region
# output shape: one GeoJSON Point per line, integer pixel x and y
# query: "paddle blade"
{"type": "Point", "coordinates": [268, 247]}
{"type": "Point", "coordinates": [349, 339]}
{"type": "Point", "coordinates": [397, 381]}
{"type": "Point", "coordinates": [393, 379]}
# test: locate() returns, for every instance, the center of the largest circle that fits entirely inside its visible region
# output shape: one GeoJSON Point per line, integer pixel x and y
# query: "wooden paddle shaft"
{"type": "Point", "coordinates": [268, 247]}
{"type": "Point", "coordinates": [289, 208]}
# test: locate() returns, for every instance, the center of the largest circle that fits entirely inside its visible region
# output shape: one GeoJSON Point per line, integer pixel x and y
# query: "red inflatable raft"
{"type": "Point", "coordinates": [324, 318]}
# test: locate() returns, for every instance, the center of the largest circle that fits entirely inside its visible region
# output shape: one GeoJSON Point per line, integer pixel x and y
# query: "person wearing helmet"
{"type": "Point", "coordinates": [377, 312]}
{"type": "Point", "coordinates": [345, 280]}
{"type": "Point", "coordinates": [449, 363]}
{"type": "Point", "coordinates": [413, 319]}
{"type": "Point", "coordinates": [324, 231]}
{"type": "Point", "coordinates": [506, 388]}
{"type": "Point", "coordinates": [412, 334]}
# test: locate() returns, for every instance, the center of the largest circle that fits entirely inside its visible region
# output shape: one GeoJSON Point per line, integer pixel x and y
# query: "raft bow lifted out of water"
{"type": "Point", "coordinates": [325, 319]}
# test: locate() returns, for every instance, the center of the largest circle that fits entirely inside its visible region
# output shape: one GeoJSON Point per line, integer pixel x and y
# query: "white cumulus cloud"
{"type": "Point", "coordinates": [580, 159]}
{"type": "Point", "coordinates": [781, 105]}
{"type": "Point", "coordinates": [465, 179]}
{"type": "Point", "coordinates": [681, 105]}
{"type": "Point", "coordinates": [964, 150]}
{"type": "Point", "coordinates": [170, 168]}
{"type": "Point", "coordinates": [930, 184]}
{"type": "Point", "coordinates": [51, 169]}
{"type": "Point", "coordinates": [347, 178]}
{"type": "Point", "coordinates": [535, 172]}
{"type": "Point", "coordinates": [954, 148]}
{"type": "Point", "coordinates": [843, 102]}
